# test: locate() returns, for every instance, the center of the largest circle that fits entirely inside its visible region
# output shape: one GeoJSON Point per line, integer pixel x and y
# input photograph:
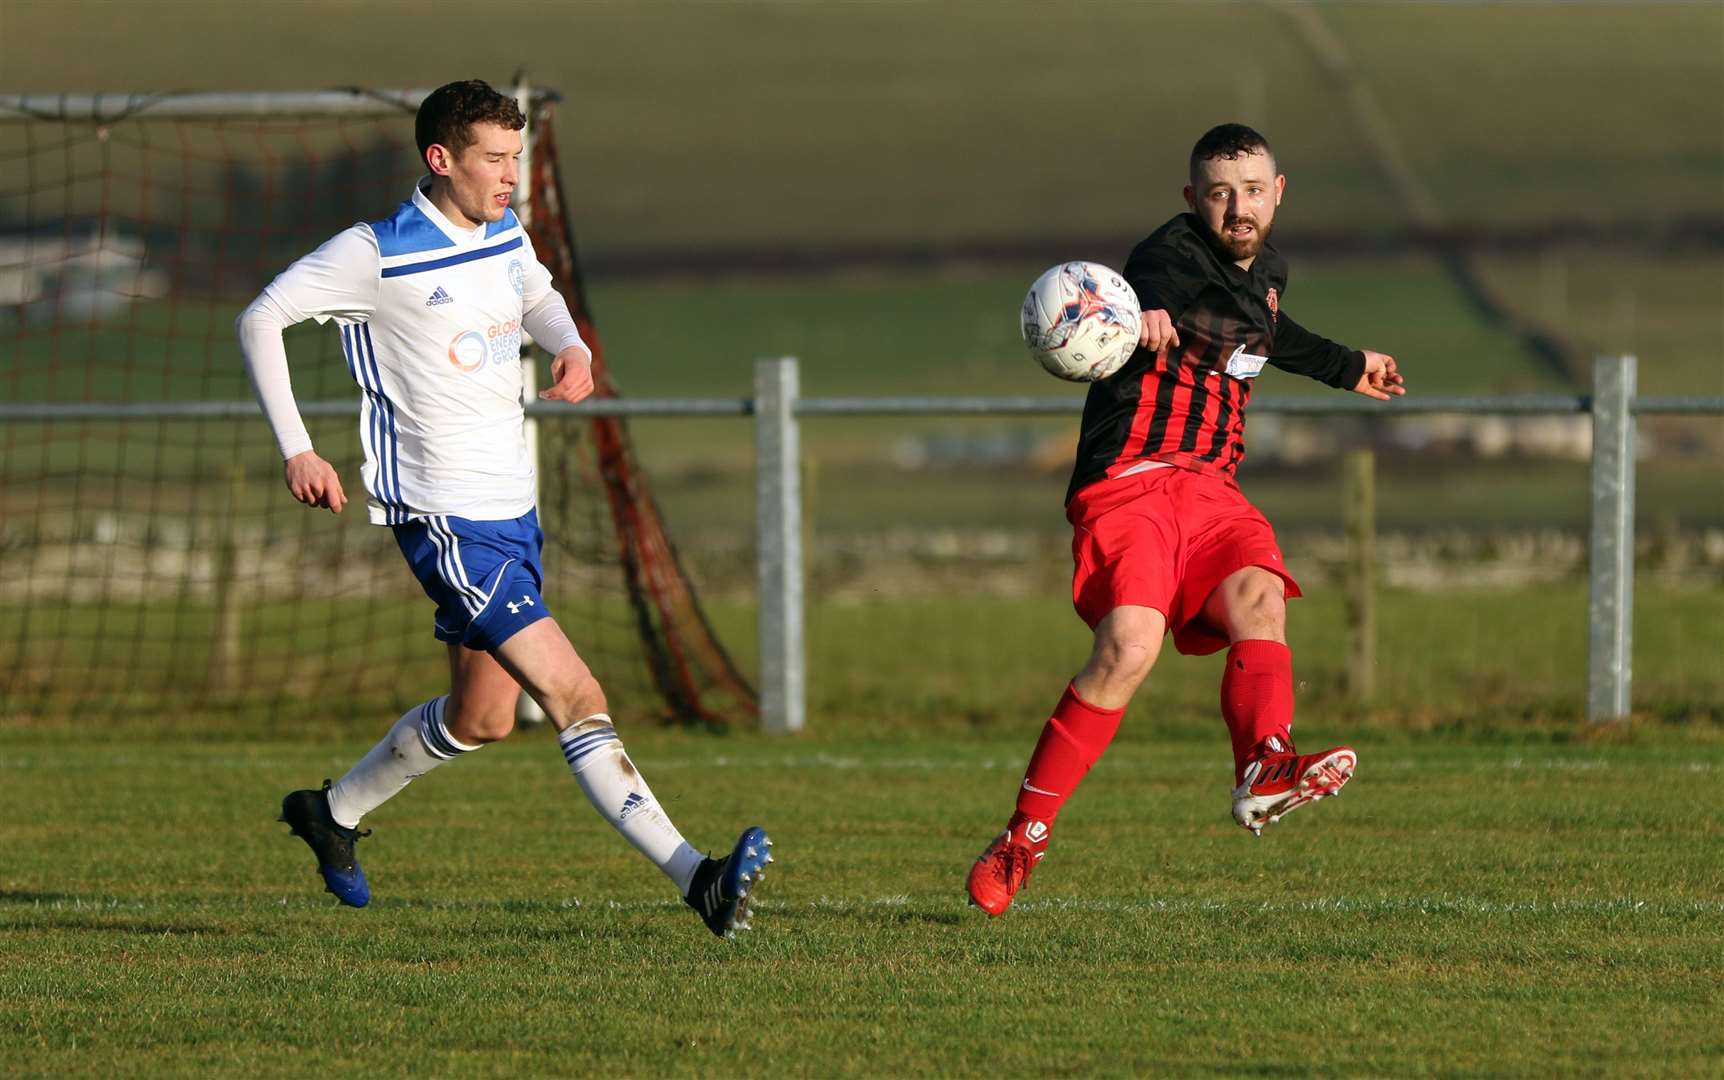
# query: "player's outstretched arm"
{"type": "Point", "coordinates": [314, 481]}
{"type": "Point", "coordinates": [571, 375]}
{"type": "Point", "coordinates": [1362, 371]}
{"type": "Point", "coordinates": [1381, 379]}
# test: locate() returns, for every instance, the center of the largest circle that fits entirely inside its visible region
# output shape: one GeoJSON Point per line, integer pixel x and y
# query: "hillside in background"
{"type": "Point", "coordinates": [692, 127]}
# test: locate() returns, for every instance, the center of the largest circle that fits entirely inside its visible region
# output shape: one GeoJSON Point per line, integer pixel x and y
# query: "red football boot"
{"type": "Point", "coordinates": [1005, 865]}
{"type": "Point", "coordinates": [1279, 781]}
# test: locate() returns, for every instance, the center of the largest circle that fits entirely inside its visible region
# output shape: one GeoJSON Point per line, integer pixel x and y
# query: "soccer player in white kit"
{"type": "Point", "coordinates": [430, 302]}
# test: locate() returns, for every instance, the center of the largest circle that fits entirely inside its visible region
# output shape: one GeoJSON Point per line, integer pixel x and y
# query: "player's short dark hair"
{"type": "Point", "coordinates": [1228, 141]}
{"type": "Point", "coordinates": [448, 113]}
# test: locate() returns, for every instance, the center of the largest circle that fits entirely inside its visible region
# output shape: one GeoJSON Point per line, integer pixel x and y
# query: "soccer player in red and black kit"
{"type": "Point", "coordinates": [1163, 540]}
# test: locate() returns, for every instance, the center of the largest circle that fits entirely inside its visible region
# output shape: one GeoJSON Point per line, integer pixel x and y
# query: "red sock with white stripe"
{"type": "Point", "coordinates": [1073, 739]}
{"type": "Point", "coordinates": [1257, 697]}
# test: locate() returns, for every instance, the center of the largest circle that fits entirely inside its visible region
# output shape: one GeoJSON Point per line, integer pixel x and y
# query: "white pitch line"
{"type": "Point", "coordinates": [1149, 756]}
{"type": "Point", "coordinates": [1432, 905]}
{"type": "Point", "coordinates": [824, 762]}
{"type": "Point", "coordinates": [1344, 905]}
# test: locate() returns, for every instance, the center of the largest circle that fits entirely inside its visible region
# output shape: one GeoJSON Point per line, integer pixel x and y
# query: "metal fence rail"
{"type": "Point", "coordinates": [1503, 405]}
{"type": "Point", "coordinates": [778, 407]}
{"type": "Point", "coordinates": [1613, 406]}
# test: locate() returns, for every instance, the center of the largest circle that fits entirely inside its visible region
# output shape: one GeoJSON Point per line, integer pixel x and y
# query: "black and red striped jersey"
{"type": "Point", "coordinates": [1185, 405]}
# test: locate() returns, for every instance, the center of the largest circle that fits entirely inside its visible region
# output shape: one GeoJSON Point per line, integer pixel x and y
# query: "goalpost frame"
{"type": "Point", "coordinates": [252, 105]}
{"type": "Point", "coordinates": [689, 669]}
{"type": "Point", "coordinates": [351, 104]}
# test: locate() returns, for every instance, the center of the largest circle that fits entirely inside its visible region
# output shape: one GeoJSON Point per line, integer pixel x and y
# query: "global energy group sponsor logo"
{"type": "Point", "coordinates": [518, 277]}
{"type": "Point", "coordinates": [498, 344]}
{"type": "Point", "coordinates": [505, 342]}
{"type": "Point", "coordinates": [468, 351]}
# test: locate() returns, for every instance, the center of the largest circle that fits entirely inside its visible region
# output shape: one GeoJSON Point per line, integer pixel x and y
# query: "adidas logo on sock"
{"type": "Point", "coordinates": [439, 297]}
{"type": "Point", "coordinates": [634, 802]}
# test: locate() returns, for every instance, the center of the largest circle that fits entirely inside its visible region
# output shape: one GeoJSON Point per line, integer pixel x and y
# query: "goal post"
{"type": "Point", "coordinates": [150, 563]}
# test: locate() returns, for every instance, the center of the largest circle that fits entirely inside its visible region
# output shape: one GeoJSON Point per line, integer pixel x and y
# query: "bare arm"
{"type": "Point", "coordinates": [1157, 330]}
{"type": "Point", "coordinates": [314, 481]}
{"type": "Point", "coordinates": [1381, 379]}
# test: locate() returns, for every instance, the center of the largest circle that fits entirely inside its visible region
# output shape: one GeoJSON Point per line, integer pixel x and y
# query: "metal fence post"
{"type": "Point", "coordinates": [778, 544]}
{"type": "Point", "coordinates": [1610, 609]}
{"type": "Point", "coordinates": [1359, 513]}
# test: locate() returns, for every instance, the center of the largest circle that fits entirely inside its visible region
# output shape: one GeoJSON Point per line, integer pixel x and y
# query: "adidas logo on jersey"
{"type": "Point", "coordinates": [439, 297]}
{"type": "Point", "coordinates": [634, 802]}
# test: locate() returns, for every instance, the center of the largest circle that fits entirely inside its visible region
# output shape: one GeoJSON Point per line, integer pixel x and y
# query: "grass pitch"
{"type": "Point", "coordinates": [1487, 906]}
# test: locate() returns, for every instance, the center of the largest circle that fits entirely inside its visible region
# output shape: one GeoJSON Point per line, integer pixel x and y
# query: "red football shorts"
{"type": "Point", "coordinates": [1164, 539]}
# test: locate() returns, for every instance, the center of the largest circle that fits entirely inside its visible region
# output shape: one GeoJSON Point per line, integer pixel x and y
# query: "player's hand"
{"type": "Point", "coordinates": [1381, 379]}
{"type": "Point", "coordinates": [1156, 331]}
{"type": "Point", "coordinates": [314, 481]}
{"type": "Point", "coordinates": [571, 375]}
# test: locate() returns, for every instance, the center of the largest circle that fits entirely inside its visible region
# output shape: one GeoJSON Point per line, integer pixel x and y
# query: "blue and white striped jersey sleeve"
{"type": "Point", "coordinates": [337, 281]}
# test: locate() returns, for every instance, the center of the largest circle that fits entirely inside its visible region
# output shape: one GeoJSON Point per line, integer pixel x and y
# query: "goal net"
{"type": "Point", "coordinates": [151, 560]}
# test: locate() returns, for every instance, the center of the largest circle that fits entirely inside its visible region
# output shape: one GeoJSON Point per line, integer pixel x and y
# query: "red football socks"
{"type": "Point", "coordinates": [1257, 696]}
{"type": "Point", "coordinates": [1073, 739]}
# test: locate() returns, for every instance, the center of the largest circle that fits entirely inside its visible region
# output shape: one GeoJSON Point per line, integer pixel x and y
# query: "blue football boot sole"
{"type": "Point", "coordinates": [723, 889]}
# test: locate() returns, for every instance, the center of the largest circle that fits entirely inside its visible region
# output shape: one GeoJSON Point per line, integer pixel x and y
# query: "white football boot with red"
{"type": "Point", "coordinates": [1277, 780]}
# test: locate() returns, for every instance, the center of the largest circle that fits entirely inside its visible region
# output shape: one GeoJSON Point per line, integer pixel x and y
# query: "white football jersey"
{"type": "Point", "coordinates": [430, 321]}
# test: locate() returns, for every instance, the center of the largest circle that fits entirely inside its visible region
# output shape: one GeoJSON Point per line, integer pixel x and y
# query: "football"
{"type": "Point", "coordinates": [1081, 321]}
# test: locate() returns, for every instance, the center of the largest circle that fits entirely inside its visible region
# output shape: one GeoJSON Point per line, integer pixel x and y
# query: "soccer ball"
{"type": "Point", "coordinates": [1081, 321]}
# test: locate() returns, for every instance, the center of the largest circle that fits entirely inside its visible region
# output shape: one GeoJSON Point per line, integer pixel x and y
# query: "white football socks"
{"type": "Point", "coordinates": [619, 793]}
{"type": "Point", "coordinates": [416, 744]}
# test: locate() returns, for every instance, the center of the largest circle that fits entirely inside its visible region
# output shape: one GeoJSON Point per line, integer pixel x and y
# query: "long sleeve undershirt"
{"type": "Point", "coordinates": [261, 324]}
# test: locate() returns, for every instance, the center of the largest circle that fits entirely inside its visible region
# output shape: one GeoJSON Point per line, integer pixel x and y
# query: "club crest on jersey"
{"type": "Point", "coordinates": [518, 277]}
{"type": "Point", "coordinates": [1274, 302]}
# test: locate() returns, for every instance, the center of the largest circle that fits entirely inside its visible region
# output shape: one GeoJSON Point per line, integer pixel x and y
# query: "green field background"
{"type": "Point", "coordinates": [766, 124]}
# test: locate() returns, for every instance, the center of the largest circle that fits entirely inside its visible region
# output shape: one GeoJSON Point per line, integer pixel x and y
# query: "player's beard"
{"type": "Point", "coordinates": [1246, 248]}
